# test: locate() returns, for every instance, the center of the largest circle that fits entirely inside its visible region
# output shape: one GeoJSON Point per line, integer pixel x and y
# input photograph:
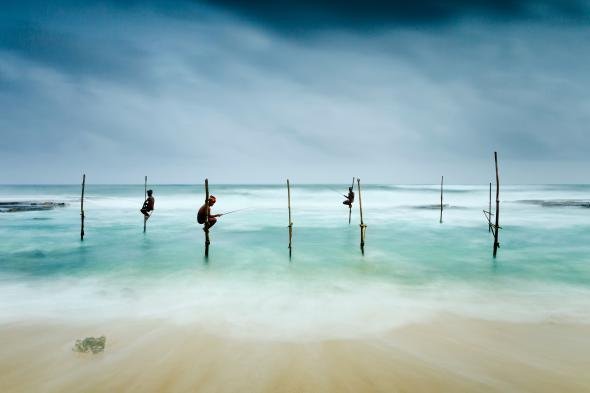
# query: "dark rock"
{"type": "Point", "coordinates": [28, 206]}
{"type": "Point", "coordinates": [433, 207]}
{"type": "Point", "coordinates": [557, 202]}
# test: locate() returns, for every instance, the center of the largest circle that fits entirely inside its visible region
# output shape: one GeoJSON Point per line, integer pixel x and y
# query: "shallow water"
{"type": "Point", "coordinates": [413, 268]}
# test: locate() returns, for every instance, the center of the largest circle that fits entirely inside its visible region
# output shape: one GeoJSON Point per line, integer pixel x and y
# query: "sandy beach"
{"type": "Point", "coordinates": [447, 354]}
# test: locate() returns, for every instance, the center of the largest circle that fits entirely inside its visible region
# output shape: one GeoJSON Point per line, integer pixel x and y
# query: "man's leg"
{"type": "Point", "coordinates": [212, 221]}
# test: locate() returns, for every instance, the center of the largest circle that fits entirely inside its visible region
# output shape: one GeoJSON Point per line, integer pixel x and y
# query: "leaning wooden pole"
{"type": "Point", "coordinates": [207, 242]}
{"type": "Point", "coordinates": [350, 206]}
{"type": "Point", "coordinates": [144, 198]}
{"type": "Point", "coordinates": [441, 197]}
{"type": "Point", "coordinates": [290, 222]}
{"type": "Point", "coordinates": [362, 225]}
{"type": "Point", "coordinates": [497, 226]}
{"type": "Point", "coordinates": [82, 208]}
{"type": "Point", "coordinates": [490, 210]}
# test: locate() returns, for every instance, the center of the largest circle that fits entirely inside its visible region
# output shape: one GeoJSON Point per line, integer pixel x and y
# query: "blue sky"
{"type": "Point", "coordinates": [392, 92]}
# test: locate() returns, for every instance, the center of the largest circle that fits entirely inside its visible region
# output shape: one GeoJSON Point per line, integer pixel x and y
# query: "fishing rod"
{"type": "Point", "coordinates": [337, 192]}
{"type": "Point", "coordinates": [234, 211]}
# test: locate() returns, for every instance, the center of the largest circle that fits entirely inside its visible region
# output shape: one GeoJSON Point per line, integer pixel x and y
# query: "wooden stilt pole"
{"type": "Point", "coordinates": [497, 226]}
{"type": "Point", "coordinates": [490, 210]}
{"type": "Point", "coordinates": [82, 208]}
{"type": "Point", "coordinates": [349, 214]}
{"type": "Point", "coordinates": [362, 225]}
{"type": "Point", "coordinates": [350, 206]}
{"type": "Point", "coordinates": [144, 198]}
{"type": "Point", "coordinates": [290, 222]}
{"type": "Point", "coordinates": [206, 227]}
{"type": "Point", "coordinates": [441, 197]}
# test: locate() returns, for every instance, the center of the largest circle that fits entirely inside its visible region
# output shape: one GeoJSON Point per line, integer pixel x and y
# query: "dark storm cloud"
{"type": "Point", "coordinates": [298, 15]}
{"type": "Point", "coordinates": [74, 54]}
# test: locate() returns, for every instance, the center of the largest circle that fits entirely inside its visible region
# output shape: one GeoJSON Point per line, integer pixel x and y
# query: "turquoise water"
{"type": "Point", "coordinates": [413, 268]}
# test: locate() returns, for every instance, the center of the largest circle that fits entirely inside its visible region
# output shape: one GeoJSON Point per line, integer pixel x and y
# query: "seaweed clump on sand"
{"type": "Point", "coordinates": [90, 344]}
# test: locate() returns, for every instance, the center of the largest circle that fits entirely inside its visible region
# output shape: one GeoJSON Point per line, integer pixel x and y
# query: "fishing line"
{"type": "Point", "coordinates": [337, 192]}
{"type": "Point", "coordinates": [234, 211]}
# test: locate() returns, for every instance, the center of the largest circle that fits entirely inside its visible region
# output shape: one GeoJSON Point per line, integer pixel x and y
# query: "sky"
{"type": "Point", "coordinates": [316, 91]}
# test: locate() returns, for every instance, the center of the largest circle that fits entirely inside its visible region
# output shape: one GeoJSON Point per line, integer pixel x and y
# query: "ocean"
{"type": "Point", "coordinates": [414, 267]}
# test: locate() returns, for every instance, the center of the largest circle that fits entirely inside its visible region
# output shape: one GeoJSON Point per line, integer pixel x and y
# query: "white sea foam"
{"type": "Point", "coordinates": [282, 310]}
{"type": "Point", "coordinates": [414, 268]}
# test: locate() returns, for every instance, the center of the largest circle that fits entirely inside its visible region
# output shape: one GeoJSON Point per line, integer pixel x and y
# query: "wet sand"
{"type": "Point", "coordinates": [449, 354]}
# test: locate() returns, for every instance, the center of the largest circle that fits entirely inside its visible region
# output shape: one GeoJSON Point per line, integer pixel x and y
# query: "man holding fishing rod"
{"type": "Point", "coordinates": [204, 211]}
{"type": "Point", "coordinates": [349, 198]}
{"type": "Point", "coordinates": [202, 214]}
{"type": "Point", "coordinates": [148, 205]}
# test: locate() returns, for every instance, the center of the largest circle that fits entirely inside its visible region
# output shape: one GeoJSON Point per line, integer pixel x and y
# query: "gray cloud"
{"type": "Point", "coordinates": [71, 54]}
{"type": "Point", "coordinates": [142, 91]}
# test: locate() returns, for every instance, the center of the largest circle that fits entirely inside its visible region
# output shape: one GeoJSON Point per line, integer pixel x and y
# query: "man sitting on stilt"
{"type": "Point", "coordinates": [148, 205]}
{"type": "Point", "coordinates": [349, 198]}
{"type": "Point", "coordinates": [202, 214]}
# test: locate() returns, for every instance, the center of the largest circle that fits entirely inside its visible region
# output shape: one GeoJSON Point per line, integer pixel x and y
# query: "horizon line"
{"type": "Point", "coordinates": [277, 184]}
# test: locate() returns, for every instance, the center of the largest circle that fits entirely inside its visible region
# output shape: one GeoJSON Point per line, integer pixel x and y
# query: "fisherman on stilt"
{"type": "Point", "coordinates": [202, 214]}
{"type": "Point", "coordinates": [349, 198]}
{"type": "Point", "coordinates": [148, 205]}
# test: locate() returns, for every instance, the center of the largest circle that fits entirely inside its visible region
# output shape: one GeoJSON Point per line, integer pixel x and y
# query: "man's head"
{"type": "Point", "coordinates": [212, 200]}
{"type": "Point", "coordinates": [350, 189]}
{"type": "Point", "coordinates": [149, 192]}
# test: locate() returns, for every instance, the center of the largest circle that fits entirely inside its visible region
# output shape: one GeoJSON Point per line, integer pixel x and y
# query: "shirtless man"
{"type": "Point", "coordinates": [349, 197]}
{"type": "Point", "coordinates": [148, 205]}
{"type": "Point", "coordinates": [202, 214]}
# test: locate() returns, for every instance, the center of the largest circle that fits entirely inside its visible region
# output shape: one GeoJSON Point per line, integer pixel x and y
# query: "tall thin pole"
{"type": "Point", "coordinates": [497, 226]}
{"type": "Point", "coordinates": [290, 222]}
{"type": "Point", "coordinates": [362, 225]}
{"type": "Point", "coordinates": [441, 197]}
{"type": "Point", "coordinates": [207, 242]}
{"type": "Point", "coordinates": [350, 206]}
{"type": "Point", "coordinates": [490, 210]}
{"type": "Point", "coordinates": [82, 208]}
{"type": "Point", "coordinates": [144, 197]}
{"type": "Point", "coordinates": [349, 213]}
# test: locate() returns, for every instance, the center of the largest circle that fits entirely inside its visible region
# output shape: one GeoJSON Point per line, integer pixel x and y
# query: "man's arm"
{"type": "Point", "coordinates": [211, 215]}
